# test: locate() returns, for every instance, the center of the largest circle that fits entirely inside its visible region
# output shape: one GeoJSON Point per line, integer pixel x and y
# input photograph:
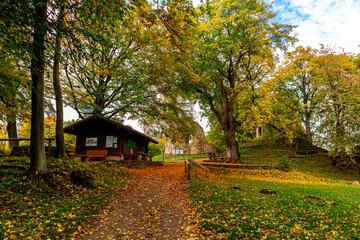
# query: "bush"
{"type": "Point", "coordinates": [284, 164]}
{"type": "Point", "coordinates": [2, 151]}
{"type": "Point", "coordinates": [154, 150]}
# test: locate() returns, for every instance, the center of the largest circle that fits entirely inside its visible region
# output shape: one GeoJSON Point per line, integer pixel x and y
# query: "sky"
{"type": "Point", "coordinates": [330, 22]}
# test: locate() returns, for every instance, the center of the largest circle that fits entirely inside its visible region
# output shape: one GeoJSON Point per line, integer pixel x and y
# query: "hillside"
{"type": "Point", "coordinates": [312, 199]}
{"type": "Point", "coordinates": [300, 154]}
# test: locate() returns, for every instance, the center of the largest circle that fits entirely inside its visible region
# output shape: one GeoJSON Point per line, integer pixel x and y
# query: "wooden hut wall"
{"type": "Point", "coordinates": [98, 133]}
{"type": "Point", "coordinates": [131, 144]}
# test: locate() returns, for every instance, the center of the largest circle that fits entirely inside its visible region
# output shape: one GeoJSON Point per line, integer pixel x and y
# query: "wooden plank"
{"type": "Point", "coordinates": [96, 153]}
{"type": "Point", "coordinates": [243, 166]}
{"type": "Point", "coordinates": [255, 158]}
{"type": "Point", "coordinates": [199, 165]}
{"type": "Point", "coordinates": [22, 139]}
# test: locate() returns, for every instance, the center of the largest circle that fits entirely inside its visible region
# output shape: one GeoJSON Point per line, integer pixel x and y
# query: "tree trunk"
{"type": "Point", "coordinates": [12, 130]}
{"type": "Point", "coordinates": [258, 131]}
{"type": "Point", "coordinates": [227, 122]}
{"type": "Point", "coordinates": [37, 146]}
{"type": "Point", "coordinates": [308, 130]}
{"type": "Point", "coordinates": [60, 141]}
{"type": "Point", "coordinates": [232, 148]}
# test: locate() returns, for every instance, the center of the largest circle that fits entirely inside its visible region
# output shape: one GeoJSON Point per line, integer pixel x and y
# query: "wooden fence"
{"type": "Point", "coordinates": [28, 139]}
{"type": "Point", "coordinates": [188, 163]}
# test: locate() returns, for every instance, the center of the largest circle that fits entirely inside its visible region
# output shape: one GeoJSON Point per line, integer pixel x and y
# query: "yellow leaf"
{"type": "Point", "coordinates": [8, 223]}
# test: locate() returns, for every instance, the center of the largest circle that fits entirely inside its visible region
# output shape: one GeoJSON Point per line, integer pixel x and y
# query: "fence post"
{"type": "Point", "coordinates": [188, 168]}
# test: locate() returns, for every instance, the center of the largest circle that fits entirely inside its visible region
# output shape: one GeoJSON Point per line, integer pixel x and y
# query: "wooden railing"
{"type": "Point", "coordinates": [188, 163]}
{"type": "Point", "coordinates": [28, 139]}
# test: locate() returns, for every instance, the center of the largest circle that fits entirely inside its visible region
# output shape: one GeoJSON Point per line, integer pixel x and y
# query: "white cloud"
{"type": "Point", "coordinates": [330, 22]}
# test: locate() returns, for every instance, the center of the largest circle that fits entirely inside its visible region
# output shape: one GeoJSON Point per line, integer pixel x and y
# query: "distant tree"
{"type": "Point", "coordinates": [154, 149]}
{"type": "Point", "coordinates": [13, 95]}
{"type": "Point", "coordinates": [299, 88]}
{"type": "Point", "coordinates": [338, 115]}
{"type": "Point", "coordinates": [49, 128]}
{"type": "Point", "coordinates": [234, 51]}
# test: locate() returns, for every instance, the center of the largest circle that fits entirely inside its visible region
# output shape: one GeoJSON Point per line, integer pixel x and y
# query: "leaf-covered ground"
{"type": "Point", "coordinates": [302, 206]}
{"type": "Point", "coordinates": [52, 206]}
{"type": "Point", "coordinates": [156, 203]}
{"type": "Point", "coordinates": [154, 206]}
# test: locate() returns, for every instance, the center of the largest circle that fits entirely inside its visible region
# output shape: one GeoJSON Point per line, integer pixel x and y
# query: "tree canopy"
{"type": "Point", "coordinates": [234, 52]}
{"type": "Point", "coordinates": [152, 61]}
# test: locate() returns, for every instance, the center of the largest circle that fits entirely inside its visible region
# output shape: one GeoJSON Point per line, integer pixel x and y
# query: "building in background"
{"type": "Point", "coordinates": [182, 144]}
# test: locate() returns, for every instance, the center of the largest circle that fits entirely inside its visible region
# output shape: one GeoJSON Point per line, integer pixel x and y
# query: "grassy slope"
{"type": "Point", "coordinates": [51, 207]}
{"type": "Point", "coordinates": [248, 214]}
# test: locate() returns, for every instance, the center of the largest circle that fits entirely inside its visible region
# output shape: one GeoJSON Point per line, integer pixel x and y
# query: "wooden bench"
{"type": "Point", "coordinates": [96, 153]}
{"type": "Point", "coordinates": [92, 154]}
{"type": "Point", "coordinates": [216, 156]}
{"type": "Point", "coordinates": [211, 156]}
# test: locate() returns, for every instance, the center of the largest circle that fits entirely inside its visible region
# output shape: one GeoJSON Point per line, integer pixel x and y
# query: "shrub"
{"type": "Point", "coordinates": [154, 150]}
{"type": "Point", "coordinates": [2, 151]}
{"type": "Point", "coordinates": [284, 164]}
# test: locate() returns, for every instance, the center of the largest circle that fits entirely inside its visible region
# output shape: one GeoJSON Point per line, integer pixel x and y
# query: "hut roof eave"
{"type": "Point", "coordinates": [72, 128]}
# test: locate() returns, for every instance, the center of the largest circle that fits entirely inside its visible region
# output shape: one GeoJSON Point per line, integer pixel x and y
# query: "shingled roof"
{"type": "Point", "coordinates": [72, 128]}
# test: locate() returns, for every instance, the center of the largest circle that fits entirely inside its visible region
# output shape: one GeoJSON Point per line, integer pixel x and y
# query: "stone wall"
{"type": "Point", "coordinates": [182, 146]}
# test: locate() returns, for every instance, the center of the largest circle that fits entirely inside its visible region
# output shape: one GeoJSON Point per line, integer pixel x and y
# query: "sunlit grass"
{"type": "Point", "coordinates": [313, 201]}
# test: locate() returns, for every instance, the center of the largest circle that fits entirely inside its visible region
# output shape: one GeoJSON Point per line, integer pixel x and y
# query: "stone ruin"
{"type": "Point", "coordinates": [181, 144]}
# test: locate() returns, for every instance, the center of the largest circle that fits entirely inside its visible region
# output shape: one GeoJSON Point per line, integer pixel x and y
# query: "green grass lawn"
{"type": "Point", "coordinates": [166, 159]}
{"type": "Point", "coordinates": [52, 206]}
{"type": "Point", "coordinates": [331, 212]}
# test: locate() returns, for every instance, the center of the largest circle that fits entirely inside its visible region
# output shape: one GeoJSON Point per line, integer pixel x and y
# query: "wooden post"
{"type": "Point", "coordinates": [188, 168]}
{"type": "Point", "coordinates": [185, 167]}
{"type": "Point", "coordinates": [163, 152]}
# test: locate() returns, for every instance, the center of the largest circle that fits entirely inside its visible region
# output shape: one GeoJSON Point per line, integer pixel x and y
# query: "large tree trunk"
{"type": "Point", "coordinates": [232, 148]}
{"type": "Point", "coordinates": [60, 141]}
{"type": "Point", "coordinates": [227, 122]}
{"type": "Point", "coordinates": [308, 129]}
{"type": "Point", "coordinates": [12, 130]}
{"type": "Point", "coordinates": [37, 146]}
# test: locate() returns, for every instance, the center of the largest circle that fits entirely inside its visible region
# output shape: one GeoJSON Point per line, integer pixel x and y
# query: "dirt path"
{"type": "Point", "coordinates": [154, 205]}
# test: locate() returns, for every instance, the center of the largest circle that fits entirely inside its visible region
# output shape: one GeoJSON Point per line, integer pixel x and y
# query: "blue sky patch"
{"type": "Point", "coordinates": [286, 13]}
